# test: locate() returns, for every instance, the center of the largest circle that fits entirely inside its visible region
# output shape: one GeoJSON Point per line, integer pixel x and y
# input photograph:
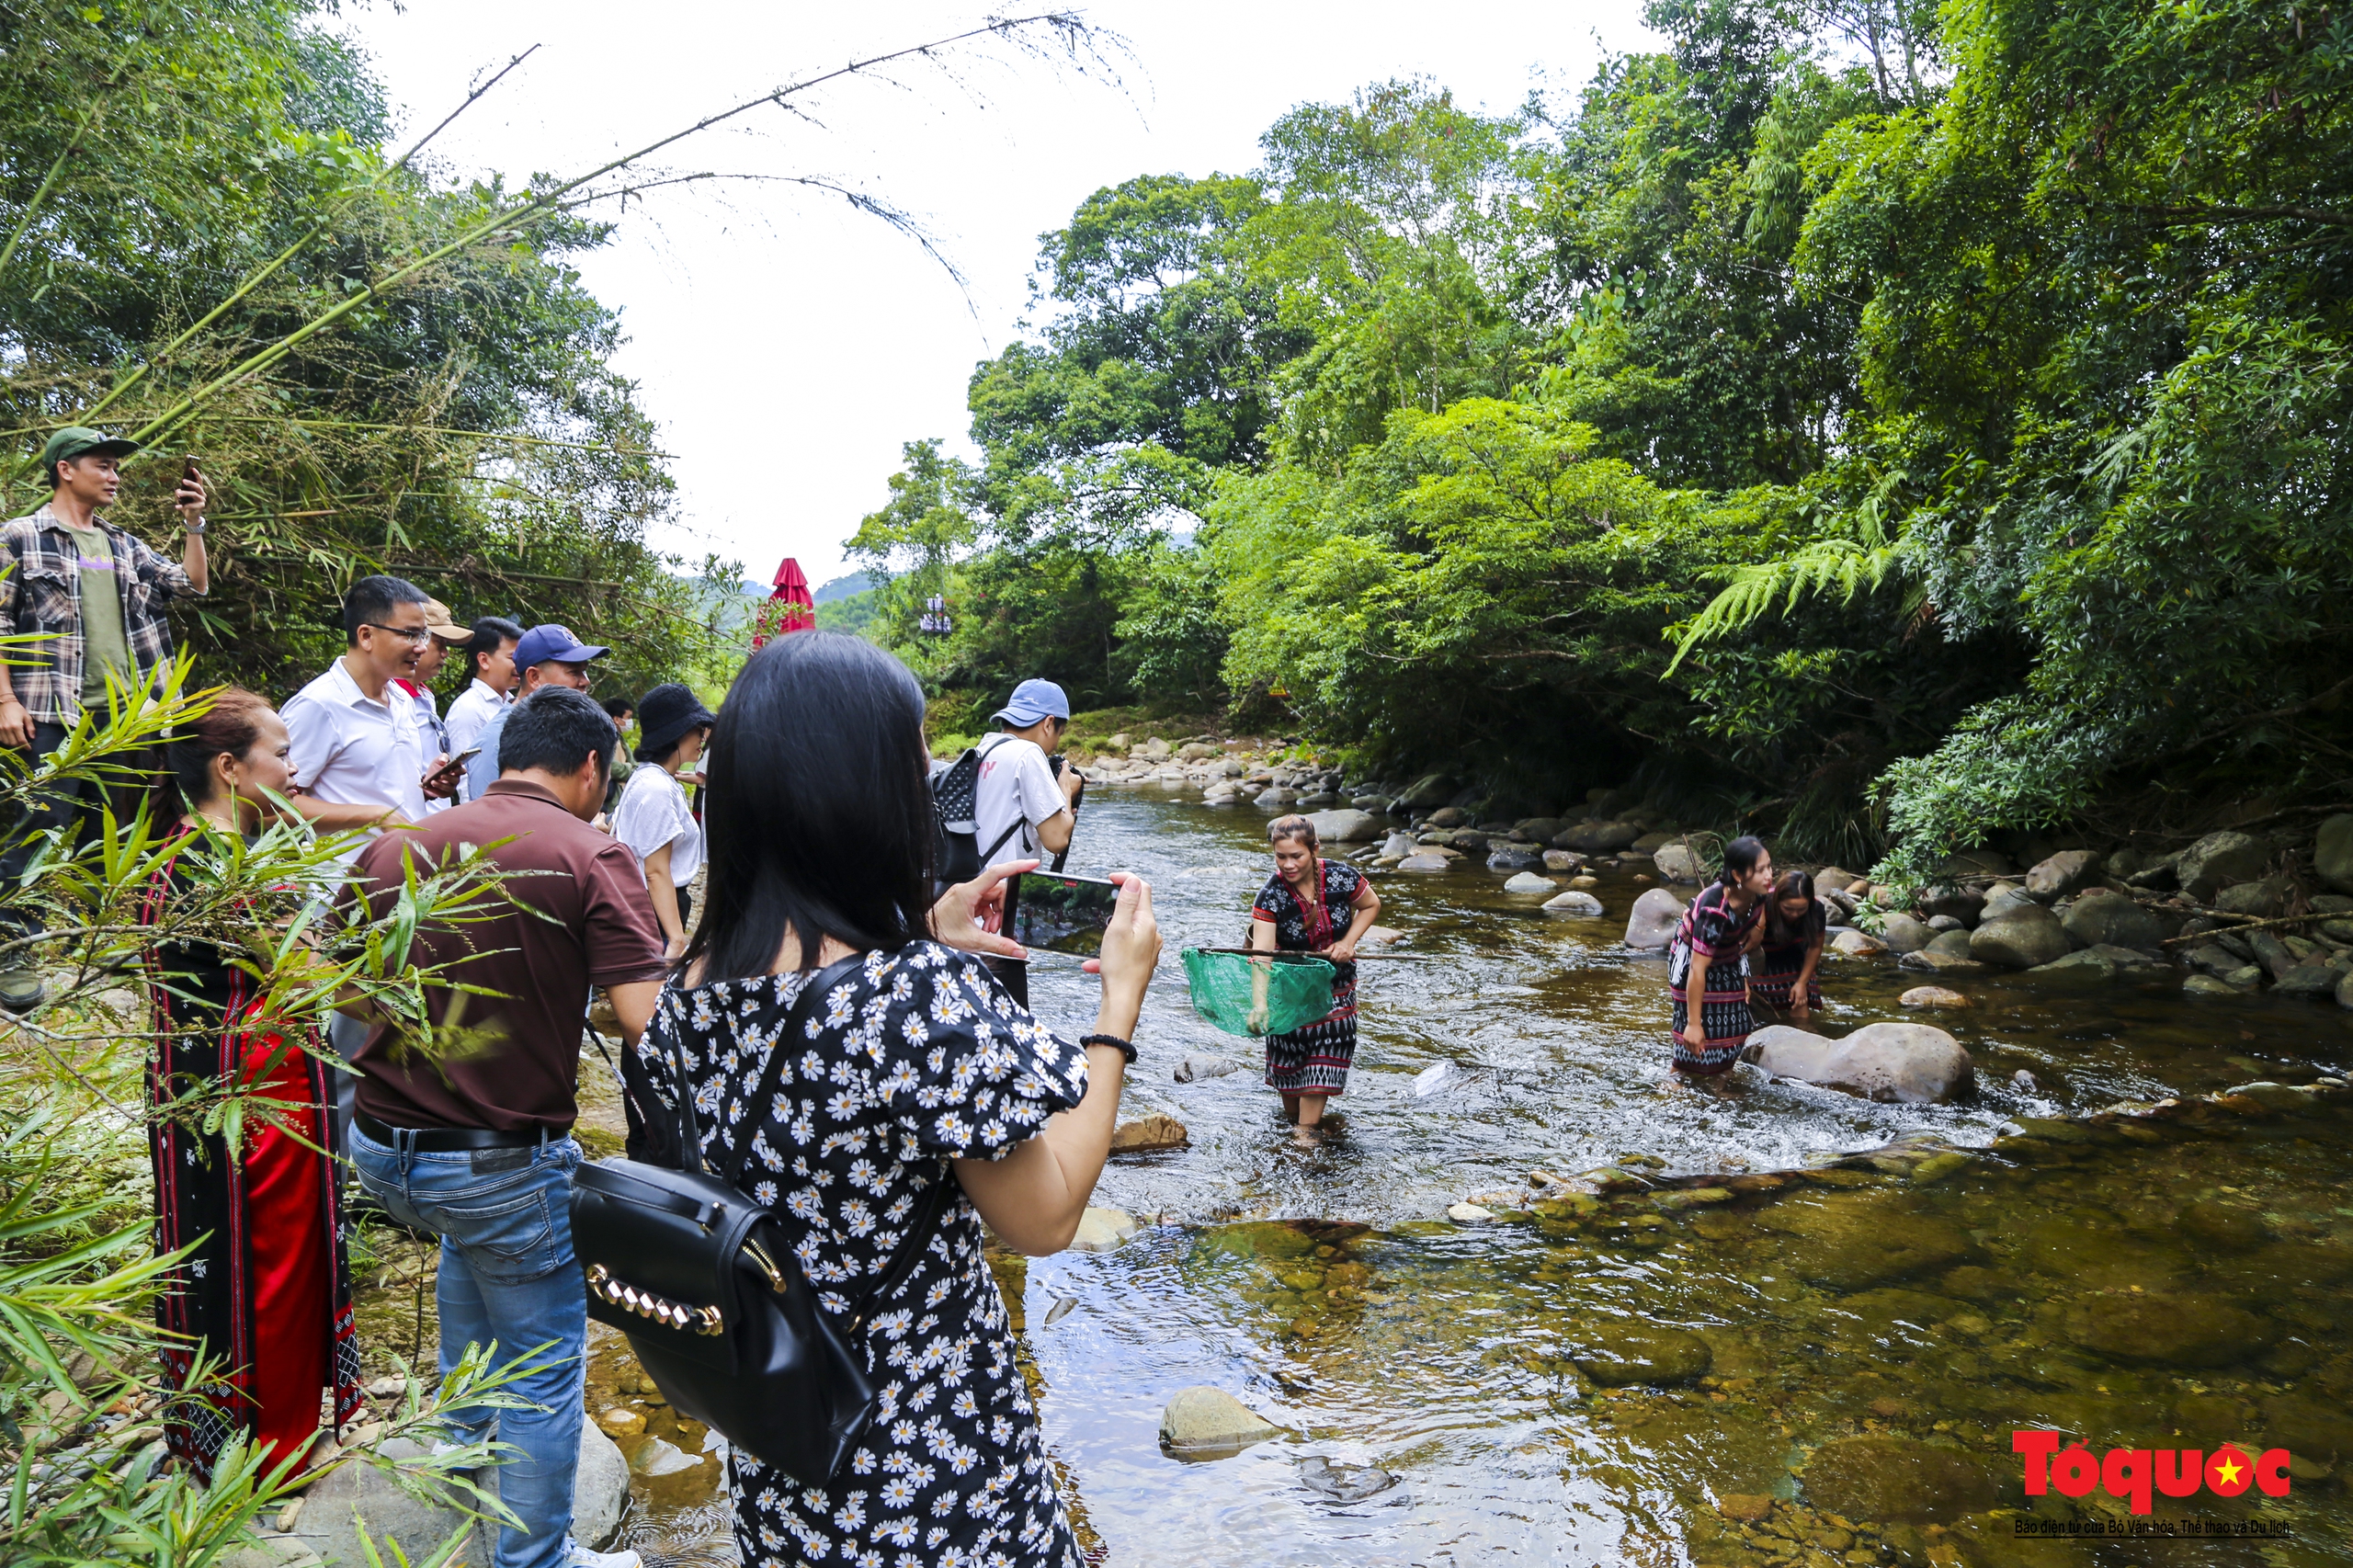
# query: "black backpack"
{"type": "Point", "coordinates": [953, 789]}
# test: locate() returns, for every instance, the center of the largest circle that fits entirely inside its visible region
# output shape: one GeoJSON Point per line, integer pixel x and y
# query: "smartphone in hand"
{"type": "Point", "coordinates": [1060, 912]}
{"type": "Point", "coordinates": [452, 770]}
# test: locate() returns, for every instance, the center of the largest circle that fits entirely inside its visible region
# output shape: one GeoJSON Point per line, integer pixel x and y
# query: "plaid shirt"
{"type": "Point", "coordinates": [42, 597]}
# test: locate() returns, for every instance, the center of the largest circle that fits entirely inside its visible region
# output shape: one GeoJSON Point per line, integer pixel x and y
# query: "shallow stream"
{"type": "Point", "coordinates": [1855, 1347]}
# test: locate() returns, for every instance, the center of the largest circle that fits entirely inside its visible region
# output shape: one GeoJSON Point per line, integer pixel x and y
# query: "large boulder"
{"type": "Point", "coordinates": [1652, 924]}
{"type": "Point", "coordinates": [1897, 1063]}
{"type": "Point", "coordinates": [1541, 830]}
{"type": "Point", "coordinates": [1346, 827]}
{"type": "Point", "coordinates": [1962, 904]}
{"type": "Point", "coordinates": [2217, 861]}
{"type": "Point", "coordinates": [1276, 799]}
{"type": "Point", "coordinates": [1951, 945]}
{"type": "Point", "coordinates": [2104, 917]}
{"type": "Point", "coordinates": [1398, 843]}
{"type": "Point", "coordinates": [1903, 934]}
{"type": "Point", "coordinates": [1677, 863]}
{"type": "Point", "coordinates": [2004, 897]}
{"type": "Point", "coordinates": [2066, 872]}
{"type": "Point", "coordinates": [1430, 790]}
{"type": "Point", "coordinates": [2332, 853]}
{"type": "Point", "coordinates": [2020, 938]}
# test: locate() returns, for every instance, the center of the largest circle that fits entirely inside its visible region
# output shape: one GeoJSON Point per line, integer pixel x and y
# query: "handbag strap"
{"type": "Point", "coordinates": [920, 1225]}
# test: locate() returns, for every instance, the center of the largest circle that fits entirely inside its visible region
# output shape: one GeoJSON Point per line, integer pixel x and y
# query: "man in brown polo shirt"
{"type": "Point", "coordinates": [473, 1140]}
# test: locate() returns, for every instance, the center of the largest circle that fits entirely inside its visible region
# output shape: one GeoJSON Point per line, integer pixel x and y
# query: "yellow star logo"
{"type": "Point", "coordinates": [2229, 1471]}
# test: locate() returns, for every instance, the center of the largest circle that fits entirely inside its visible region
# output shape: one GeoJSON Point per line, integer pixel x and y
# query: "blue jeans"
{"type": "Point", "coordinates": [505, 1220]}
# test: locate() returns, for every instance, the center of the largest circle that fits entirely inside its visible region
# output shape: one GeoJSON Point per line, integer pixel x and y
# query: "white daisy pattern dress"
{"type": "Point", "coordinates": [912, 1059]}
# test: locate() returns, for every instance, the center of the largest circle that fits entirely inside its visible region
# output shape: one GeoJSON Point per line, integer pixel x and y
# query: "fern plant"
{"type": "Point", "coordinates": [1846, 564]}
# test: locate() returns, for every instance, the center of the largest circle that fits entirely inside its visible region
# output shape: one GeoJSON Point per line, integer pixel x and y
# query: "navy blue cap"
{"type": "Point", "coordinates": [554, 642]}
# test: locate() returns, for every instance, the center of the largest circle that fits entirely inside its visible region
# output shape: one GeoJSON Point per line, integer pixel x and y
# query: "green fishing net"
{"type": "Point", "coordinates": [1299, 989]}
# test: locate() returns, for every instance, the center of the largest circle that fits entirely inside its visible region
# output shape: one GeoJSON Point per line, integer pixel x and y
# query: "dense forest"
{"type": "Point", "coordinates": [1895, 428]}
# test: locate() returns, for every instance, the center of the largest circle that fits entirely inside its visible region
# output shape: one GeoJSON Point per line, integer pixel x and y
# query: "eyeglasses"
{"type": "Point", "coordinates": [410, 633]}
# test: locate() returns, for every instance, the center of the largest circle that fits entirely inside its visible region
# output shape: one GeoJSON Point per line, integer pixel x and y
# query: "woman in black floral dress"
{"type": "Point", "coordinates": [915, 1068]}
{"type": "Point", "coordinates": [1311, 905]}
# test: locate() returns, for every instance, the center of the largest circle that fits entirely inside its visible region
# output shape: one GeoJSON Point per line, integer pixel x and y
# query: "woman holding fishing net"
{"type": "Point", "coordinates": [1319, 906]}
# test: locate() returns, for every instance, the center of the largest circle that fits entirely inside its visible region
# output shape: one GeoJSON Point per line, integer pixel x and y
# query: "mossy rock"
{"type": "Point", "coordinates": [1880, 1477]}
{"type": "Point", "coordinates": [2189, 1329]}
{"type": "Point", "coordinates": [1619, 1353]}
{"type": "Point", "coordinates": [1854, 1242]}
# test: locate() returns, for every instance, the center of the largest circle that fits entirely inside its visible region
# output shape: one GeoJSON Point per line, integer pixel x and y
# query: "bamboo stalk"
{"type": "Point", "coordinates": [89, 118]}
{"type": "Point", "coordinates": [2253, 925]}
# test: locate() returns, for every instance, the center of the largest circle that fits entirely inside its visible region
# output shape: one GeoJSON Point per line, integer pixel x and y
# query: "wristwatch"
{"type": "Point", "coordinates": [196, 527]}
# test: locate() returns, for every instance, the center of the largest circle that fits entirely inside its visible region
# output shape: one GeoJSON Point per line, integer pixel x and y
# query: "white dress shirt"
{"type": "Point", "coordinates": [475, 706]}
{"type": "Point", "coordinates": [353, 750]}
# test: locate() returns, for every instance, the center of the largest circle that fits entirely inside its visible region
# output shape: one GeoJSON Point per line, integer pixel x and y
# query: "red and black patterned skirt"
{"type": "Point", "coordinates": [1776, 974]}
{"type": "Point", "coordinates": [1723, 1017]}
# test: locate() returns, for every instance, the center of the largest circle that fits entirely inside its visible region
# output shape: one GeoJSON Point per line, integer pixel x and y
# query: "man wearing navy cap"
{"type": "Point", "coordinates": [1020, 810]}
{"type": "Point", "coordinates": [548, 655]}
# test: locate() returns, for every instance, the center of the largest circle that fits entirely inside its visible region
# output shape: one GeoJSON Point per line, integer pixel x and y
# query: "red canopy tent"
{"type": "Point", "coordinates": [789, 608]}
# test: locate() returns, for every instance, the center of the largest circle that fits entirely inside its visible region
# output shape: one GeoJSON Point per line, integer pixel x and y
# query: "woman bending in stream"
{"type": "Point", "coordinates": [1707, 965]}
{"type": "Point", "coordinates": [1298, 911]}
{"type": "Point", "coordinates": [1791, 955]}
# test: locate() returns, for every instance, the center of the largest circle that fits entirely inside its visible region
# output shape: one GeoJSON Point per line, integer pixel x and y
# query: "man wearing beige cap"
{"type": "Point", "coordinates": [432, 734]}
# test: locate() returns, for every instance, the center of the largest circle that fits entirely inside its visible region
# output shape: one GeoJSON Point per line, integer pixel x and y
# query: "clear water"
{"type": "Point", "coordinates": [1858, 1347]}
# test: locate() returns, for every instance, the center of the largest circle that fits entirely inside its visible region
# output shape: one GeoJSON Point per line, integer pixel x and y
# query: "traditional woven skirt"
{"type": "Point", "coordinates": [1723, 1018]}
{"type": "Point", "coordinates": [1778, 973]}
{"type": "Point", "coordinates": [1315, 1059]}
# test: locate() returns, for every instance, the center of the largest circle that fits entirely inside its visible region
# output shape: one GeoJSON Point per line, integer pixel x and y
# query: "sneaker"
{"type": "Point", "coordinates": [21, 990]}
{"type": "Point", "coordinates": [581, 1557]}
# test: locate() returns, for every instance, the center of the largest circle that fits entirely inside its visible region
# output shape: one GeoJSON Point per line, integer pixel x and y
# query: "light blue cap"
{"type": "Point", "coordinates": [1033, 700]}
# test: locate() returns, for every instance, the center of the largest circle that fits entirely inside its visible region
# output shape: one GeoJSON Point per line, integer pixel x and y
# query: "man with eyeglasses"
{"type": "Point", "coordinates": [358, 755]}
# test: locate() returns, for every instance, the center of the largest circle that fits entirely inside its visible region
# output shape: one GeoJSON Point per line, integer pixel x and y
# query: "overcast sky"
{"type": "Point", "coordinates": [787, 346]}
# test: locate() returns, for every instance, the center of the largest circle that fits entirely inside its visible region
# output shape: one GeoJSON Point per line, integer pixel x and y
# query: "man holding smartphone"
{"type": "Point", "coordinates": [94, 594]}
{"type": "Point", "coordinates": [1021, 810]}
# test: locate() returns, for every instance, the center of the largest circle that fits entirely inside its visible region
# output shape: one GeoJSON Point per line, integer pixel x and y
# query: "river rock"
{"type": "Point", "coordinates": [1541, 830]}
{"type": "Point", "coordinates": [1513, 857]}
{"type": "Point", "coordinates": [1103, 1230]}
{"type": "Point", "coordinates": [1529, 881]}
{"type": "Point", "coordinates": [2004, 898]}
{"type": "Point", "coordinates": [1893, 1063]}
{"type": "Point", "coordinates": [1432, 789]}
{"type": "Point", "coordinates": [1468, 1213]}
{"type": "Point", "coordinates": [1851, 1241]}
{"type": "Point", "coordinates": [1275, 799]}
{"type": "Point", "coordinates": [1194, 1067]}
{"type": "Point", "coordinates": [2310, 980]}
{"type": "Point", "coordinates": [1941, 900]}
{"type": "Point", "coordinates": [1345, 826]}
{"type": "Point", "coordinates": [1564, 860]}
{"type": "Point", "coordinates": [1446, 816]}
{"type": "Point", "coordinates": [1148, 1134]}
{"type": "Point", "coordinates": [1975, 863]}
{"type": "Point", "coordinates": [2266, 898]}
{"type": "Point", "coordinates": [1574, 904]}
{"type": "Point", "coordinates": [2208, 985]}
{"type": "Point", "coordinates": [600, 1490]}
{"type": "Point", "coordinates": [1883, 1478]}
{"type": "Point", "coordinates": [2333, 852]}
{"type": "Point", "coordinates": [1904, 935]}
{"type": "Point", "coordinates": [2106, 917]}
{"type": "Point", "coordinates": [1652, 924]}
{"type": "Point", "coordinates": [2190, 1329]}
{"type": "Point", "coordinates": [2217, 861]}
{"type": "Point", "coordinates": [2066, 872]}
{"type": "Point", "coordinates": [1204, 1421]}
{"type": "Point", "coordinates": [1398, 843]}
{"type": "Point", "coordinates": [1933, 997]}
{"type": "Point", "coordinates": [1621, 1353]}
{"type": "Point", "coordinates": [1677, 863]}
{"type": "Point", "coordinates": [1600, 837]}
{"type": "Point", "coordinates": [2019, 939]}
{"type": "Point", "coordinates": [1856, 944]}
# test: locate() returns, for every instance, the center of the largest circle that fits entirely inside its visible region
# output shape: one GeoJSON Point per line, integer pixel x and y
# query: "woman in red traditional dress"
{"type": "Point", "coordinates": [261, 1305]}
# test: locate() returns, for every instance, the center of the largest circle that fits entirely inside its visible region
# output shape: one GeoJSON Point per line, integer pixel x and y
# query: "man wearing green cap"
{"type": "Point", "coordinates": [95, 596]}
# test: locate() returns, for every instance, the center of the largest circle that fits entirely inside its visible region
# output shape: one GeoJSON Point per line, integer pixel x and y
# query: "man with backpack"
{"type": "Point", "coordinates": [1020, 809]}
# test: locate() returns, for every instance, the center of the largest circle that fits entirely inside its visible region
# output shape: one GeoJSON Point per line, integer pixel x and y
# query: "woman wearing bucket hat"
{"type": "Point", "coordinates": [652, 818]}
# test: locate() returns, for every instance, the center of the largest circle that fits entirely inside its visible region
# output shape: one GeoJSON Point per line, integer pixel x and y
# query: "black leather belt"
{"type": "Point", "coordinates": [444, 1140]}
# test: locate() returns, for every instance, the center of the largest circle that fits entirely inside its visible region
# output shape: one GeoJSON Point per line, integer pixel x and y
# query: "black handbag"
{"type": "Point", "coordinates": [711, 1294]}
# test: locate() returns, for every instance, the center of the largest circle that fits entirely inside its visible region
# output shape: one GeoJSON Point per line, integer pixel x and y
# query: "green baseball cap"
{"type": "Point", "coordinates": [80, 442]}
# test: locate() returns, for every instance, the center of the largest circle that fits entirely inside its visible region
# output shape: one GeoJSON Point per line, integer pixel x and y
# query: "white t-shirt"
{"type": "Point", "coordinates": [351, 750]}
{"type": "Point", "coordinates": [1017, 786]}
{"type": "Point", "coordinates": [653, 813]}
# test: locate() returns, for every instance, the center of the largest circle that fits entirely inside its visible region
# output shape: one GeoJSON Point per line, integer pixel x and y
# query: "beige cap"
{"type": "Point", "coordinates": [437, 621]}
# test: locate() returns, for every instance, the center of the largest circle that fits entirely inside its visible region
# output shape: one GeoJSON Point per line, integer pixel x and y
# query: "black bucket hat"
{"type": "Point", "coordinates": [664, 714]}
